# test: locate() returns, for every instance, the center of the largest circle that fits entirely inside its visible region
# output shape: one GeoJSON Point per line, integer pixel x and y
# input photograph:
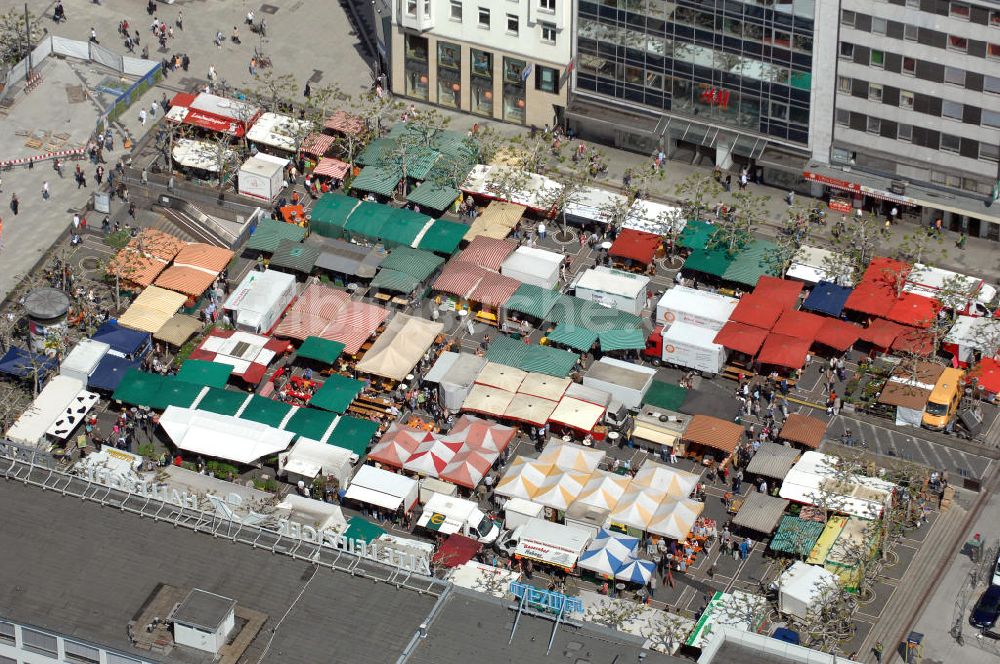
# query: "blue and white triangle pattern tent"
{"type": "Point", "coordinates": [636, 571]}
{"type": "Point", "coordinates": [608, 553]}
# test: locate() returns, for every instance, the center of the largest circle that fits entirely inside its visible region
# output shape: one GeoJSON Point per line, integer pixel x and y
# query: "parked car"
{"type": "Point", "coordinates": [987, 609]}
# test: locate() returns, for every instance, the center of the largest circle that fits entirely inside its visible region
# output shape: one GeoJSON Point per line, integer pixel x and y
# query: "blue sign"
{"type": "Point", "coordinates": [548, 600]}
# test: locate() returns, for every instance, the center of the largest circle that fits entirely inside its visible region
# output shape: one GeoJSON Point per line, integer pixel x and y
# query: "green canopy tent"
{"type": "Point", "coordinates": [202, 372]}
{"type": "Point", "coordinates": [330, 213]}
{"type": "Point", "coordinates": [380, 180]}
{"type": "Point", "coordinates": [665, 396]}
{"type": "Point", "coordinates": [155, 391]}
{"type": "Point", "coordinates": [443, 237]}
{"type": "Point", "coordinates": [549, 361]}
{"type": "Point", "coordinates": [312, 423]}
{"type": "Point", "coordinates": [353, 434]}
{"type": "Point", "coordinates": [223, 402]}
{"type": "Point", "coordinates": [579, 338]}
{"type": "Point", "coordinates": [631, 339]}
{"type": "Point", "coordinates": [755, 260]}
{"type": "Point", "coordinates": [269, 234]}
{"type": "Point", "coordinates": [532, 300]}
{"type": "Point", "coordinates": [696, 234]}
{"type": "Point", "coordinates": [713, 261]}
{"type": "Point", "coordinates": [393, 280]}
{"type": "Point", "coordinates": [434, 196]}
{"type": "Point", "coordinates": [414, 262]}
{"type": "Point", "coordinates": [320, 349]}
{"type": "Point", "coordinates": [336, 393]}
{"type": "Point", "coordinates": [266, 411]}
{"type": "Point", "coordinates": [296, 256]}
{"type": "Point", "coordinates": [363, 530]}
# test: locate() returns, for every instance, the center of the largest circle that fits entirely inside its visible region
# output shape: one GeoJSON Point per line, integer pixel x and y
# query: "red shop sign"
{"type": "Point", "coordinates": [825, 179]}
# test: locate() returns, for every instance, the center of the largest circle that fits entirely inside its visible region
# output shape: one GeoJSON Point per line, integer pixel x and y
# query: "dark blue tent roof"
{"type": "Point", "coordinates": [109, 372]}
{"type": "Point", "coordinates": [827, 298]}
{"type": "Point", "coordinates": [121, 339]}
{"type": "Point", "coordinates": [786, 635]}
{"type": "Point", "coordinates": [21, 363]}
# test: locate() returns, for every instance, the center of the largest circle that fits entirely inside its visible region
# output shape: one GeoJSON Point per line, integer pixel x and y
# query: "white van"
{"type": "Point", "coordinates": [449, 514]}
{"type": "Point", "coordinates": [546, 542]}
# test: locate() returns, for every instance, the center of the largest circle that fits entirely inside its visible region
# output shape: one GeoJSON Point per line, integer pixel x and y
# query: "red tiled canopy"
{"type": "Point", "coordinates": [799, 324]}
{"type": "Point", "coordinates": [784, 351]}
{"type": "Point", "coordinates": [784, 291]}
{"type": "Point", "coordinates": [838, 334]}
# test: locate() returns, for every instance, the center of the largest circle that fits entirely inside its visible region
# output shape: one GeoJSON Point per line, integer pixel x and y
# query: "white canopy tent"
{"type": "Point", "coordinates": [801, 586]}
{"type": "Point", "coordinates": [382, 488]}
{"type": "Point", "coordinates": [592, 204]}
{"type": "Point", "coordinates": [655, 218]}
{"type": "Point", "coordinates": [222, 436]}
{"type": "Point", "coordinates": [533, 190]}
{"type": "Point", "coordinates": [309, 458]}
{"type": "Point", "coordinates": [201, 155]}
{"type": "Point", "coordinates": [57, 410]}
{"type": "Point", "coordinates": [973, 334]}
{"type": "Point", "coordinates": [400, 347]}
{"type": "Point", "coordinates": [576, 414]}
{"type": "Point", "coordinates": [83, 359]}
{"type": "Point", "coordinates": [317, 514]}
{"type": "Point", "coordinates": [278, 131]}
{"type": "Point", "coordinates": [530, 265]}
{"type": "Point", "coordinates": [488, 400]}
{"type": "Point", "coordinates": [809, 265]}
{"type": "Point", "coordinates": [445, 361]}
{"type": "Point", "coordinates": [501, 376]}
{"type": "Point", "coordinates": [456, 384]}
{"type": "Point", "coordinates": [814, 479]}
{"type": "Point", "coordinates": [570, 456]}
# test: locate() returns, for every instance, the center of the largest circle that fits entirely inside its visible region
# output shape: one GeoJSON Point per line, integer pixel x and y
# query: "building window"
{"type": "Point", "coordinates": [989, 152]}
{"type": "Point", "coordinates": [547, 5]}
{"type": "Point", "coordinates": [951, 109]}
{"type": "Point", "coordinates": [846, 50]}
{"type": "Point", "coordinates": [991, 84]}
{"type": "Point", "coordinates": [995, 18]}
{"type": "Point", "coordinates": [482, 82]}
{"type": "Point", "coordinates": [549, 33]}
{"type": "Point", "coordinates": [909, 66]}
{"type": "Point", "coordinates": [114, 658]}
{"type": "Point", "coordinates": [427, 8]}
{"type": "Point", "coordinates": [959, 10]}
{"type": "Point", "coordinates": [547, 79]}
{"type": "Point", "coordinates": [878, 25]}
{"type": "Point", "coordinates": [512, 24]}
{"type": "Point", "coordinates": [915, 4]}
{"type": "Point", "coordinates": [905, 99]}
{"type": "Point", "coordinates": [844, 84]}
{"type": "Point", "coordinates": [411, 7]}
{"type": "Point", "coordinates": [904, 132]}
{"type": "Point", "coordinates": [38, 642]}
{"type": "Point", "coordinates": [843, 117]}
{"type": "Point", "coordinates": [515, 73]}
{"type": "Point", "coordinates": [993, 51]}
{"type": "Point", "coordinates": [449, 74]}
{"type": "Point", "coordinates": [950, 143]}
{"type": "Point", "coordinates": [956, 43]}
{"type": "Point", "coordinates": [954, 75]}
{"type": "Point", "coordinates": [910, 32]}
{"type": "Point", "coordinates": [877, 58]}
{"type": "Point", "coordinates": [848, 17]}
{"type": "Point", "coordinates": [991, 119]}
{"type": "Point", "coordinates": [456, 10]}
{"type": "Point", "coordinates": [779, 111]}
{"type": "Point", "coordinates": [874, 125]}
{"type": "Point", "coordinates": [875, 92]}
{"type": "Point", "coordinates": [6, 633]}
{"type": "Point", "coordinates": [484, 17]}
{"type": "Point", "coordinates": [416, 68]}
{"type": "Point", "coordinates": [83, 654]}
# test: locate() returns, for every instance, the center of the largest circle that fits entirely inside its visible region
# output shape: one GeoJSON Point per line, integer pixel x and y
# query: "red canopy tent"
{"type": "Point", "coordinates": [838, 334]}
{"type": "Point", "coordinates": [987, 375]}
{"type": "Point", "coordinates": [784, 351]}
{"type": "Point", "coordinates": [913, 309]}
{"type": "Point", "coordinates": [757, 310]}
{"type": "Point", "coordinates": [488, 252]}
{"type": "Point", "coordinates": [886, 270]}
{"type": "Point", "coordinates": [456, 550]}
{"type": "Point", "coordinates": [882, 333]}
{"type": "Point", "coordinates": [914, 340]}
{"type": "Point", "coordinates": [871, 298]}
{"type": "Point", "coordinates": [784, 291]}
{"type": "Point", "coordinates": [741, 338]}
{"type": "Point", "coordinates": [799, 324]}
{"type": "Point", "coordinates": [637, 245]}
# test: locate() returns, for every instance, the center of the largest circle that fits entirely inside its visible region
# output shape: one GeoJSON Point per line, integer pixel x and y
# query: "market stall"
{"type": "Point", "coordinates": [497, 220]}
{"type": "Point", "coordinates": [152, 309]}
{"type": "Point", "coordinates": [593, 205]}
{"type": "Point", "coordinates": [82, 361]}
{"type": "Point", "coordinates": [55, 413]}
{"type": "Point", "coordinates": [309, 459]}
{"type": "Point", "coordinates": [635, 248]}
{"type": "Point", "coordinates": [456, 383]}
{"type": "Point", "coordinates": [400, 347]}
{"type": "Point", "coordinates": [578, 415]}
{"type": "Point", "coordinates": [278, 135]}
{"type": "Point", "coordinates": [537, 267]}
{"type": "Point", "coordinates": [222, 436]}
{"type": "Point", "coordinates": [654, 218]}
{"type": "Point", "coordinates": [802, 587]}
{"type": "Point", "coordinates": [212, 113]}
{"type": "Point", "coordinates": [249, 354]}
{"type": "Point", "coordinates": [381, 488]}
{"type": "Point", "coordinates": [707, 434]}
{"type": "Point", "coordinates": [262, 177]}
{"type": "Point", "coordinates": [811, 481]}
{"type": "Point", "coordinates": [760, 512]}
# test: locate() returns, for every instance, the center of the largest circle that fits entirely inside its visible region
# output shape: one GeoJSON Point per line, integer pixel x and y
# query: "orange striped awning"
{"type": "Point", "coordinates": [331, 168]}
{"type": "Point", "coordinates": [345, 123]}
{"type": "Point", "coordinates": [487, 252]}
{"type": "Point", "coordinates": [354, 324]}
{"type": "Point", "coordinates": [494, 290]}
{"type": "Point", "coordinates": [317, 144]}
{"type": "Point", "coordinates": [459, 278]}
{"type": "Point", "coordinates": [204, 256]}
{"type": "Point", "coordinates": [187, 280]}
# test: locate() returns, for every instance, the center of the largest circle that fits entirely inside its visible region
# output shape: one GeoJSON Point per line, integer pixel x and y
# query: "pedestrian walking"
{"type": "Point", "coordinates": [45, 190]}
{"type": "Point", "coordinates": [253, 66]}
{"type": "Point", "coordinates": [131, 210]}
{"type": "Point", "coordinates": [15, 204]}
{"type": "Point", "coordinates": [152, 109]}
{"type": "Point", "coordinates": [307, 92]}
{"type": "Point", "coordinates": [877, 650]}
{"type": "Point", "coordinates": [180, 20]}
{"type": "Point", "coordinates": [142, 117]}
{"type": "Point", "coordinates": [93, 36]}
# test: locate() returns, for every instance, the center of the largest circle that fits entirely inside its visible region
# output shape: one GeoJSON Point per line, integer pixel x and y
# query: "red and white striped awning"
{"type": "Point", "coordinates": [331, 168]}
{"type": "Point", "coordinates": [317, 144]}
{"type": "Point", "coordinates": [299, 324]}
{"type": "Point", "coordinates": [345, 123]}
{"type": "Point", "coordinates": [487, 252]}
{"type": "Point", "coordinates": [354, 324]}
{"type": "Point", "coordinates": [459, 278]}
{"type": "Point", "coordinates": [494, 290]}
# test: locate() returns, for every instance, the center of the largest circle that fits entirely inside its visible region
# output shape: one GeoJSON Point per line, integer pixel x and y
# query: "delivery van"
{"type": "Point", "coordinates": [697, 307]}
{"type": "Point", "coordinates": [687, 346]}
{"type": "Point", "coordinates": [518, 511]}
{"type": "Point", "coordinates": [942, 404]}
{"type": "Point", "coordinates": [546, 542]}
{"type": "Point", "coordinates": [448, 514]}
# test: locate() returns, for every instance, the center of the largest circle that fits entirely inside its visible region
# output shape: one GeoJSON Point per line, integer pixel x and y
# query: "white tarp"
{"type": "Point", "coordinates": [969, 334]}
{"type": "Point", "coordinates": [222, 436]}
{"type": "Point", "coordinates": [71, 47]}
{"type": "Point", "coordinates": [198, 154]}
{"type": "Point", "coordinates": [814, 479]}
{"type": "Point", "coordinates": [537, 267]}
{"type": "Point", "coordinates": [382, 488]}
{"type": "Point", "coordinates": [483, 578]}
{"type": "Point", "coordinates": [279, 131]}
{"type": "Point", "coordinates": [316, 514]}
{"type": "Point", "coordinates": [593, 204]}
{"type": "Point", "coordinates": [909, 417]}
{"type": "Point", "coordinates": [458, 381]}
{"type": "Point", "coordinates": [400, 347]}
{"type": "Point", "coordinates": [506, 184]}
{"type": "Point", "coordinates": [801, 586]}
{"type": "Point", "coordinates": [808, 265]}
{"type": "Point", "coordinates": [309, 458]}
{"type": "Point", "coordinates": [927, 280]}
{"type": "Point", "coordinates": [445, 361]}
{"type": "Point", "coordinates": [260, 299]}
{"type": "Point", "coordinates": [655, 218]}
{"type": "Point", "coordinates": [60, 395]}
{"type": "Point", "coordinates": [83, 359]}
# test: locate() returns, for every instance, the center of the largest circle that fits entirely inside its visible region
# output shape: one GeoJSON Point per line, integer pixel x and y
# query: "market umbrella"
{"type": "Point", "coordinates": [623, 546]}
{"type": "Point", "coordinates": [636, 571]}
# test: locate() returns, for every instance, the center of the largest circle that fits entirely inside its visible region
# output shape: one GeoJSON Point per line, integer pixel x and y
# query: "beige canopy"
{"type": "Point", "coordinates": [570, 456]}
{"type": "Point", "coordinates": [178, 330]}
{"type": "Point", "coordinates": [526, 408]}
{"type": "Point", "coordinates": [676, 483]}
{"type": "Point", "coordinates": [488, 400]}
{"type": "Point", "coordinates": [674, 518]}
{"type": "Point", "coordinates": [523, 479]}
{"type": "Point", "coordinates": [544, 386]}
{"type": "Point", "coordinates": [502, 376]}
{"type": "Point", "coordinates": [152, 309]}
{"type": "Point", "coordinates": [400, 347]}
{"type": "Point", "coordinates": [603, 490]}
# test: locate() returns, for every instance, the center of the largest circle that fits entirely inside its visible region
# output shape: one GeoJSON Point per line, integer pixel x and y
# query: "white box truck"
{"type": "Point", "coordinates": [449, 514]}
{"type": "Point", "coordinates": [613, 288]}
{"type": "Point", "coordinates": [696, 307]}
{"type": "Point", "coordinates": [518, 511]}
{"type": "Point", "coordinates": [689, 347]}
{"type": "Point", "coordinates": [546, 542]}
{"type": "Point", "coordinates": [626, 383]}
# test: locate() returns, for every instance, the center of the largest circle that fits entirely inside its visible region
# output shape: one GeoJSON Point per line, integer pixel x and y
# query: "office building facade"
{"type": "Point", "coordinates": [499, 60]}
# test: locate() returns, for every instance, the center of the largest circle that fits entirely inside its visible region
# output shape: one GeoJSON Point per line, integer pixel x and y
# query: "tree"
{"type": "Point", "coordinates": [666, 631]}
{"type": "Point", "coordinates": [492, 582]}
{"type": "Point", "coordinates": [698, 193]}
{"type": "Point", "coordinates": [855, 247]}
{"type": "Point", "coordinates": [272, 91]}
{"type": "Point", "coordinates": [792, 234]}
{"type": "Point", "coordinates": [735, 228]}
{"type": "Point", "coordinates": [16, 39]}
{"type": "Point", "coordinates": [613, 613]}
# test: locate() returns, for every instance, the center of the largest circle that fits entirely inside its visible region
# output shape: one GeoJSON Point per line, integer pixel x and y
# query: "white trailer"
{"type": "Point", "coordinates": [260, 299]}
{"type": "Point", "coordinates": [626, 383]}
{"type": "Point", "coordinates": [929, 281]}
{"type": "Point", "coordinates": [691, 347]}
{"type": "Point", "coordinates": [615, 289]}
{"type": "Point", "coordinates": [262, 176]}
{"type": "Point", "coordinates": [518, 511]}
{"type": "Point", "coordinates": [687, 305]}
{"type": "Point", "coordinates": [546, 542]}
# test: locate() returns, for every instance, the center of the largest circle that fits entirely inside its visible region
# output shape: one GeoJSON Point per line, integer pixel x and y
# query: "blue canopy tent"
{"type": "Point", "coordinates": [21, 363]}
{"type": "Point", "coordinates": [109, 372]}
{"type": "Point", "coordinates": [637, 571]}
{"type": "Point", "coordinates": [827, 298]}
{"type": "Point", "coordinates": [608, 553]}
{"type": "Point", "coordinates": [123, 341]}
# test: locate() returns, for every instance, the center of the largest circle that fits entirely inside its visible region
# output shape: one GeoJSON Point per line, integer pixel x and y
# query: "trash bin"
{"type": "Point", "coordinates": [914, 647]}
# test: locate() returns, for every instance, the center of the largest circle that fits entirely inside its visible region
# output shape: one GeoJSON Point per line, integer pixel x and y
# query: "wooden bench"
{"type": "Point", "coordinates": [733, 373]}
{"type": "Point", "coordinates": [402, 302]}
{"type": "Point", "coordinates": [382, 297]}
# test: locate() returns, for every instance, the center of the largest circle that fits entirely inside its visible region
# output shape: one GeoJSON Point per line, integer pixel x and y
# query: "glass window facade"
{"type": "Point", "coordinates": [416, 67]}
{"type": "Point", "coordinates": [449, 74]}
{"type": "Point", "coordinates": [745, 65]}
{"type": "Point", "coordinates": [513, 90]}
{"type": "Point", "coordinates": [482, 82]}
